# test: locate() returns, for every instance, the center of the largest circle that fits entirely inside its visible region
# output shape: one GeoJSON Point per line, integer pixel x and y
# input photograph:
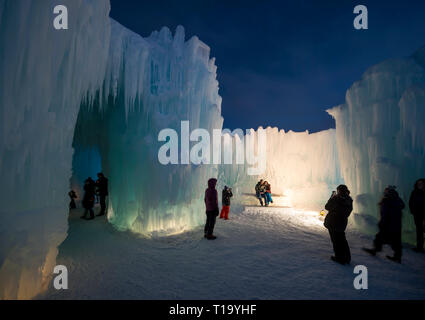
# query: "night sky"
{"type": "Point", "coordinates": [283, 63]}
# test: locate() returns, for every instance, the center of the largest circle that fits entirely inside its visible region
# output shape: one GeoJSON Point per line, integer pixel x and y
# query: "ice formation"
{"type": "Point", "coordinates": [105, 92]}
{"type": "Point", "coordinates": [302, 169]}
{"type": "Point", "coordinates": [152, 84]}
{"type": "Point", "coordinates": [44, 74]}
{"type": "Point", "coordinates": [381, 137]}
{"type": "Point", "coordinates": [95, 97]}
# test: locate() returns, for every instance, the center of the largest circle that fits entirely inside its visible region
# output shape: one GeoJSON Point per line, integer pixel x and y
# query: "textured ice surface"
{"type": "Point", "coordinates": [302, 169]}
{"type": "Point", "coordinates": [151, 84]}
{"type": "Point", "coordinates": [44, 74]}
{"type": "Point", "coordinates": [380, 134]}
{"type": "Point", "coordinates": [96, 86]}
{"type": "Point", "coordinates": [104, 93]}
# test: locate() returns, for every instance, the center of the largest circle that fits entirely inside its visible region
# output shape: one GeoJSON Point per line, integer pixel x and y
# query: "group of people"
{"type": "Point", "coordinates": [263, 191]}
{"type": "Point", "coordinates": [211, 204]}
{"type": "Point", "coordinates": [391, 206]}
{"type": "Point", "coordinates": [92, 190]}
{"type": "Point", "coordinates": [340, 206]}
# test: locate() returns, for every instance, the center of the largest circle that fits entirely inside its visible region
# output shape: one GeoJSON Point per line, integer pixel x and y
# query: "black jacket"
{"type": "Point", "coordinates": [339, 208]}
{"type": "Point", "coordinates": [226, 195]}
{"type": "Point", "coordinates": [391, 213]}
{"type": "Point", "coordinates": [417, 203]}
{"type": "Point", "coordinates": [102, 186]}
{"type": "Point", "coordinates": [88, 199]}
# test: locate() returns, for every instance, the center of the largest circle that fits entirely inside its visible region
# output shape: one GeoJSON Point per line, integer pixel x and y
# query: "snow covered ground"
{"type": "Point", "coordinates": [260, 253]}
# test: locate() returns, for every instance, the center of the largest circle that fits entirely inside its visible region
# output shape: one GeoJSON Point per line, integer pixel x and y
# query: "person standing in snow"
{"type": "Point", "coordinates": [102, 191]}
{"type": "Point", "coordinates": [225, 201]}
{"type": "Point", "coordinates": [391, 207]}
{"type": "Point", "coordinates": [211, 204]}
{"type": "Point", "coordinates": [268, 193]}
{"type": "Point", "coordinates": [88, 199]}
{"type": "Point", "coordinates": [339, 206]}
{"type": "Point", "coordinates": [417, 208]}
{"type": "Point", "coordinates": [258, 191]}
{"type": "Point", "coordinates": [72, 195]}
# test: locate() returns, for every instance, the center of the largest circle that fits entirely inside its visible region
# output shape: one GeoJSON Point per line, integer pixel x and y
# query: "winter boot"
{"type": "Point", "coordinates": [333, 258]}
{"type": "Point", "coordinates": [211, 237]}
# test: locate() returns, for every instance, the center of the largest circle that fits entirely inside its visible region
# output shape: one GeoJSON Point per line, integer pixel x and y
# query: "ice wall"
{"type": "Point", "coordinates": [44, 74]}
{"type": "Point", "coordinates": [380, 135]}
{"type": "Point", "coordinates": [151, 84]}
{"type": "Point", "coordinates": [96, 86]}
{"type": "Point", "coordinates": [302, 169]}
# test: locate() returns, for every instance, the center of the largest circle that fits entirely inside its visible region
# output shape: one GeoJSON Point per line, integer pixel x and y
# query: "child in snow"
{"type": "Point", "coordinates": [72, 195]}
{"type": "Point", "coordinates": [226, 195]}
{"type": "Point", "coordinates": [211, 204]}
{"type": "Point", "coordinates": [391, 207]}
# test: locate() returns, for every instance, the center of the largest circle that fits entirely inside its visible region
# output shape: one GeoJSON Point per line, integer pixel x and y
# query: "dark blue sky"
{"type": "Point", "coordinates": [282, 63]}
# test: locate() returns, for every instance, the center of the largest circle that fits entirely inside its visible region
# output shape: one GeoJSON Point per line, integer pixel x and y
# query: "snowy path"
{"type": "Point", "coordinates": [261, 253]}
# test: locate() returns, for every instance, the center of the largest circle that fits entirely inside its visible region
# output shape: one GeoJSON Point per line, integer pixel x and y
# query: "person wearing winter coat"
{"type": "Point", "coordinates": [88, 199]}
{"type": "Point", "coordinates": [225, 201]}
{"type": "Point", "coordinates": [258, 188]}
{"type": "Point", "coordinates": [391, 207]}
{"type": "Point", "coordinates": [102, 191]}
{"type": "Point", "coordinates": [72, 195]}
{"type": "Point", "coordinates": [211, 205]}
{"type": "Point", "coordinates": [268, 193]}
{"type": "Point", "coordinates": [339, 206]}
{"type": "Point", "coordinates": [417, 208]}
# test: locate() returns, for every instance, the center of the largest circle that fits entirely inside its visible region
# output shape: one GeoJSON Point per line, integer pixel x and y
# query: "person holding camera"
{"type": "Point", "coordinates": [339, 206]}
{"type": "Point", "coordinates": [225, 200]}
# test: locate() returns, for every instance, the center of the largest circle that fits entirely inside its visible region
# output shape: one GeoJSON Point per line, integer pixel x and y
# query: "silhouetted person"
{"type": "Point", "coordinates": [88, 199]}
{"type": "Point", "coordinates": [417, 208]}
{"type": "Point", "coordinates": [391, 207]}
{"type": "Point", "coordinates": [258, 187]}
{"type": "Point", "coordinates": [339, 206]}
{"type": "Point", "coordinates": [211, 204]}
{"type": "Point", "coordinates": [72, 196]}
{"type": "Point", "coordinates": [102, 191]}
{"type": "Point", "coordinates": [225, 201]}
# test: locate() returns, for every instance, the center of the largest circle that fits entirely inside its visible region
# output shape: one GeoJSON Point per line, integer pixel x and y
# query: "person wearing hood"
{"type": "Point", "coordinates": [391, 207]}
{"type": "Point", "coordinates": [339, 206]}
{"type": "Point", "coordinates": [225, 201]}
{"type": "Point", "coordinates": [211, 204]}
{"type": "Point", "coordinates": [417, 208]}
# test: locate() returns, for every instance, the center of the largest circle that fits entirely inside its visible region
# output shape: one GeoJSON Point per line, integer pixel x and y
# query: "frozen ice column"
{"type": "Point", "coordinates": [379, 132]}
{"type": "Point", "coordinates": [44, 74]}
